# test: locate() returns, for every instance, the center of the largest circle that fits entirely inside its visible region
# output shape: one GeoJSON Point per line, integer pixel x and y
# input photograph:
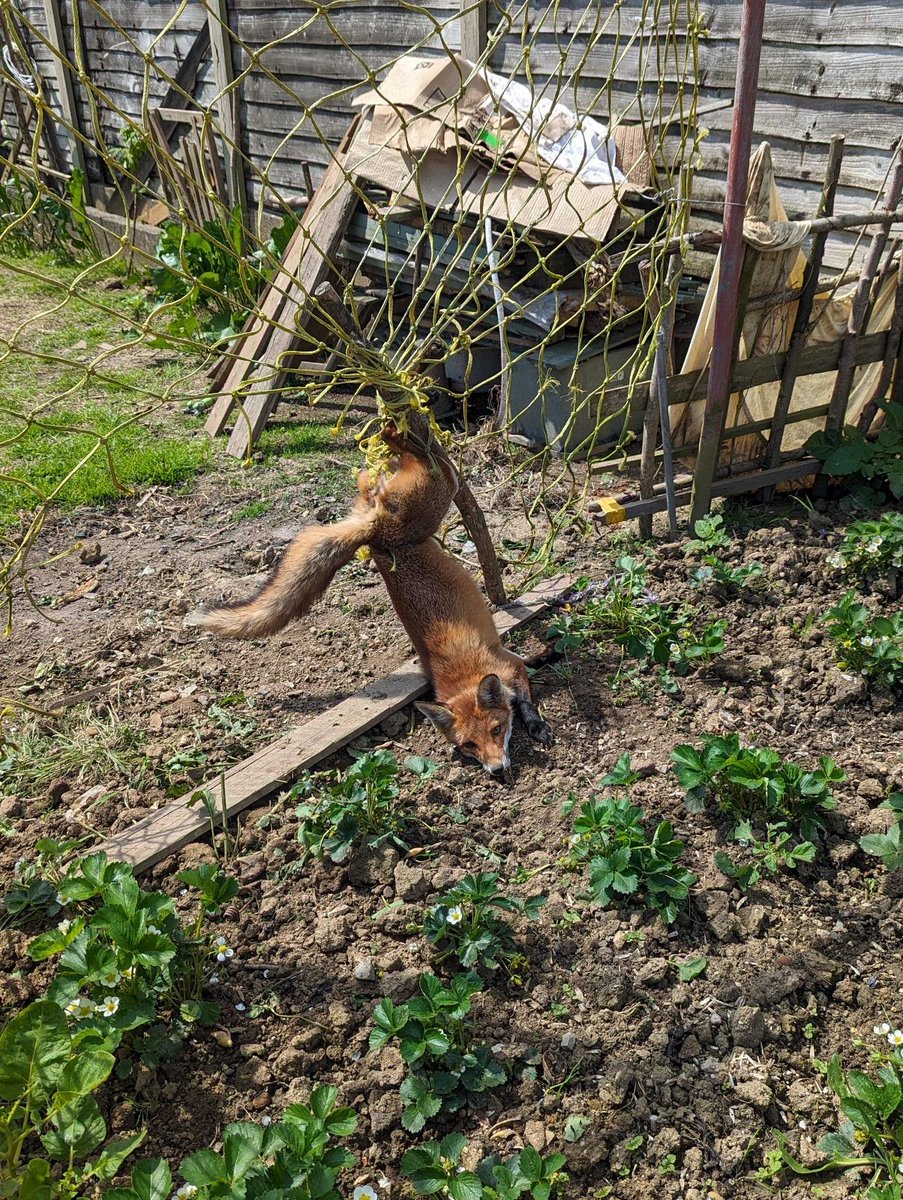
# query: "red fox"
{"type": "Point", "coordinates": [477, 683]}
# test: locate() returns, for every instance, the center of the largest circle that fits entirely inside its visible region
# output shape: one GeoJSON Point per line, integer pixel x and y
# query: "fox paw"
{"type": "Point", "coordinates": [540, 731]}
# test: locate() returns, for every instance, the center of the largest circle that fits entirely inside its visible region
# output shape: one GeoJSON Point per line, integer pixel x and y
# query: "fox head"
{"type": "Point", "coordinates": [478, 721]}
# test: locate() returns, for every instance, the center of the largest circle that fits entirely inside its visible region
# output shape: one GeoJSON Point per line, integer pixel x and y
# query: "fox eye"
{"type": "Point", "coordinates": [496, 730]}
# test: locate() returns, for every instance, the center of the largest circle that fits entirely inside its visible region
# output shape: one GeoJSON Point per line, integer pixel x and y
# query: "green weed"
{"type": "Point", "coordinates": [82, 746]}
{"type": "Point", "coordinates": [659, 636]}
{"type": "Point", "coordinates": [363, 803]}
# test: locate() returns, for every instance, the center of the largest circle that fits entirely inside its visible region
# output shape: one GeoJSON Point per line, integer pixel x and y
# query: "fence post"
{"type": "Point", "coordinates": [63, 69]}
{"type": "Point", "coordinates": [474, 29]}
{"type": "Point", "coordinates": [749, 53]}
{"type": "Point", "coordinates": [228, 103]}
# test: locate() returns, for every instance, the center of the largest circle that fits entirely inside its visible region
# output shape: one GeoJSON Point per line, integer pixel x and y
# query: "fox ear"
{"type": "Point", "coordinates": [441, 717]}
{"type": "Point", "coordinates": [490, 693]}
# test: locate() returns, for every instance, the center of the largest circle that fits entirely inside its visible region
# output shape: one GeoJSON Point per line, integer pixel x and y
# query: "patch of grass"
{"type": "Point", "coordinates": [82, 746]}
{"type": "Point", "coordinates": [254, 508]}
{"type": "Point", "coordinates": [55, 406]}
{"type": "Point", "coordinates": [292, 439]}
{"type": "Point", "coordinates": [36, 464]}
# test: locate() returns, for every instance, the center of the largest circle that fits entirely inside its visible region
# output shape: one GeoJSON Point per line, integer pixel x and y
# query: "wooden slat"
{"type": "Point", "coordinates": [183, 81]}
{"type": "Point", "coordinates": [749, 372]}
{"type": "Point", "coordinates": [735, 485]}
{"type": "Point", "coordinates": [177, 823]}
{"type": "Point", "coordinates": [228, 104]}
{"type": "Point", "coordinates": [324, 224]}
{"type": "Point", "coordinates": [66, 91]}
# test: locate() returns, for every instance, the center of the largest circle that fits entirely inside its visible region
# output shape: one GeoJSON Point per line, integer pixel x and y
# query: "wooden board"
{"type": "Point", "coordinates": [177, 823]}
{"type": "Point", "coordinates": [323, 226]}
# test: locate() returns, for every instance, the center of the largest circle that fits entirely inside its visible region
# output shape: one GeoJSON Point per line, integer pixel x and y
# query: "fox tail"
{"type": "Point", "coordinates": [304, 573]}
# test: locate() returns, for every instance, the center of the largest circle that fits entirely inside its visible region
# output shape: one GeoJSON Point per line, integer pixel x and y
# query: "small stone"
{"type": "Point", "coordinates": [653, 973]}
{"type": "Point", "coordinates": [290, 1063]}
{"type": "Point", "coordinates": [252, 1049]}
{"type": "Point", "coordinates": [535, 1135]}
{"type": "Point", "coordinates": [331, 933]}
{"type": "Point", "coordinates": [748, 1026]}
{"type": "Point", "coordinates": [755, 1092]}
{"type": "Point", "coordinates": [411, 883]}
{"type": "Point", "coordinates": [399, 986]}
{"type": "Point", "coordinates": [365, 970]}
{"type": "Point", "coordinates": [568, 1040]}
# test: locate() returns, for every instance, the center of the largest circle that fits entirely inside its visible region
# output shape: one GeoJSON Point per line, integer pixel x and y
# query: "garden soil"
{"type": "Point", "coordinates": [679, 1085]}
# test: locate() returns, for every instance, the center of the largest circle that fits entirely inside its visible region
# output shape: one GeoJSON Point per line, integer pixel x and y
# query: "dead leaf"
{"type": "Point", "coordinates": [90, 585]}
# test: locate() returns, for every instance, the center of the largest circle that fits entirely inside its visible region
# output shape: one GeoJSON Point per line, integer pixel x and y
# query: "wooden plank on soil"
{"type": "Point", "coordinates": [178, 823]}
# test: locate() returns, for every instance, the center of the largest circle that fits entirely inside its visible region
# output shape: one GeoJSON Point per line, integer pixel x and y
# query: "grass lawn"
{"type": "Point", "coordinates": [89, 410]}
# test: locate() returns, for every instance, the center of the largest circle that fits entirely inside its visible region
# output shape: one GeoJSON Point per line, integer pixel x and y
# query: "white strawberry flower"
{"type": "Point", "coordinates": [881, 1030]}
{"type": "Point", "coordinates": [185, 1192]}
{"type": "Point", "coordinates": [223, 951]}
{"type": "Point", "coordinates": [64, 927]}
{"type": "Point", "coordinates": [80, 1007]}
{"type": "Point", "coordinates": [110, 978]}
{"type": "Point", "coordinates": [109, 1006]}
{"type": "Point", "coordinates": [455, 915]}
{"type": "Point", "coordinates": [153, 929]}
{"type": "Point", "coordinates": [895, 1037]}
{"type": "Point", "coordinates": [364, 1193]}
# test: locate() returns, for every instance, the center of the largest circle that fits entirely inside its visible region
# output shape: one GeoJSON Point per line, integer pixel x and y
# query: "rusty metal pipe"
{"type": "Point", "coordinates": [725, 329]}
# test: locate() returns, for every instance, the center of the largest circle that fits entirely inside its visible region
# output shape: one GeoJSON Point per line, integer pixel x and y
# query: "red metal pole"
{"type": "Point", "coordinates": [725, 330]}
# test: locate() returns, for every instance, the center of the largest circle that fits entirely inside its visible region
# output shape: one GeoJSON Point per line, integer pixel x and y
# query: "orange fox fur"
{"type": "Point", "coordinates": [476, 681]}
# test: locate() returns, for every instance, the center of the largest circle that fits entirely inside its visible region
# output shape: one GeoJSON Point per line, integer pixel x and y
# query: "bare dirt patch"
{"type": "Point", "coordinates": [681, 1083]}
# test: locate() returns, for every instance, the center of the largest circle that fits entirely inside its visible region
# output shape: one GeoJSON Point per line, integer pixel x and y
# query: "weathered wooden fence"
{"type": "Point", "coordinates": [827, 69]}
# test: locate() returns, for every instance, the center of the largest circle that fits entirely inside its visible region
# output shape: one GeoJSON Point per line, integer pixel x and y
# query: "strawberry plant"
{"type": "Point", "coordinates": [872, 550]}
{"type": "Point", "coordinates": [776, 849]}
{"type": "Point", "coordinates": [294, 1157]}
{"type": "Point", "coordinates": [363, 803]}
{"type": "Point", "coordinates": [869, 1136]}
{"type": "Point", "coordinates": [888, 846]}
{"type": "Point", "coordinates": [125, 961]}
{"type": "Point", "coordinates": [435, 1169]}
{"type": "Point", "coordinates": [668, 637]}
{"type": "Point", "coordinates": [48, 1076]}
{"type": "Point", "coordinates": [433, 1032]}
{"type": "Point", "coordinates": [871, 646]}
{"type": "Point", "coordinates": [465, 924]}
{"type": "Point", "coordinates": [878, 459]}
{"type": "Point", "coordinates": [751, 782]}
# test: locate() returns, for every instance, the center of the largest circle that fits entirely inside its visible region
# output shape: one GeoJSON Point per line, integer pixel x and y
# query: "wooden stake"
{"type": "Point", "coordinates": [891, 358]}
{"type": "Point", "coordinates": [804, 308]}
{"type": "Point", "coordinates": [228, 104]}
{"type": "Point", "coordinates": [656, 415]}
{"type": "Point", "coordinates": [64, 69]}
{"type": "Point", "coordinates": [474, 29]}
{"type": "Point", "coordinates": [184, 820]}
{"type": "Point", "coordinates": [861, 305]}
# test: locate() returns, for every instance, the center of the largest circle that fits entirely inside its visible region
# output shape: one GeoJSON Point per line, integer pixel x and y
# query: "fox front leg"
{"type": "Point", "coordinates": [538, 729]}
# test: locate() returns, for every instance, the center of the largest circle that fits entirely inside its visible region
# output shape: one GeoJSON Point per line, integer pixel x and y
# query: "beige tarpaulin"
{"type": "Point", "coordinates": [779, 267]}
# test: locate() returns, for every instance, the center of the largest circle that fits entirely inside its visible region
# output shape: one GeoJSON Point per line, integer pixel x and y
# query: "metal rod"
{"type": "Point", "coordinates": [661, 388]}
{"type": "Point", "coordinates": [501, 411]}
{"type": "Point", "coordinates": [749, 53]}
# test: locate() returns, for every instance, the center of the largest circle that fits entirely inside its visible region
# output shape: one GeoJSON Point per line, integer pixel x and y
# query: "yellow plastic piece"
{"type": "Point", "coordinates": [614, 511]}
